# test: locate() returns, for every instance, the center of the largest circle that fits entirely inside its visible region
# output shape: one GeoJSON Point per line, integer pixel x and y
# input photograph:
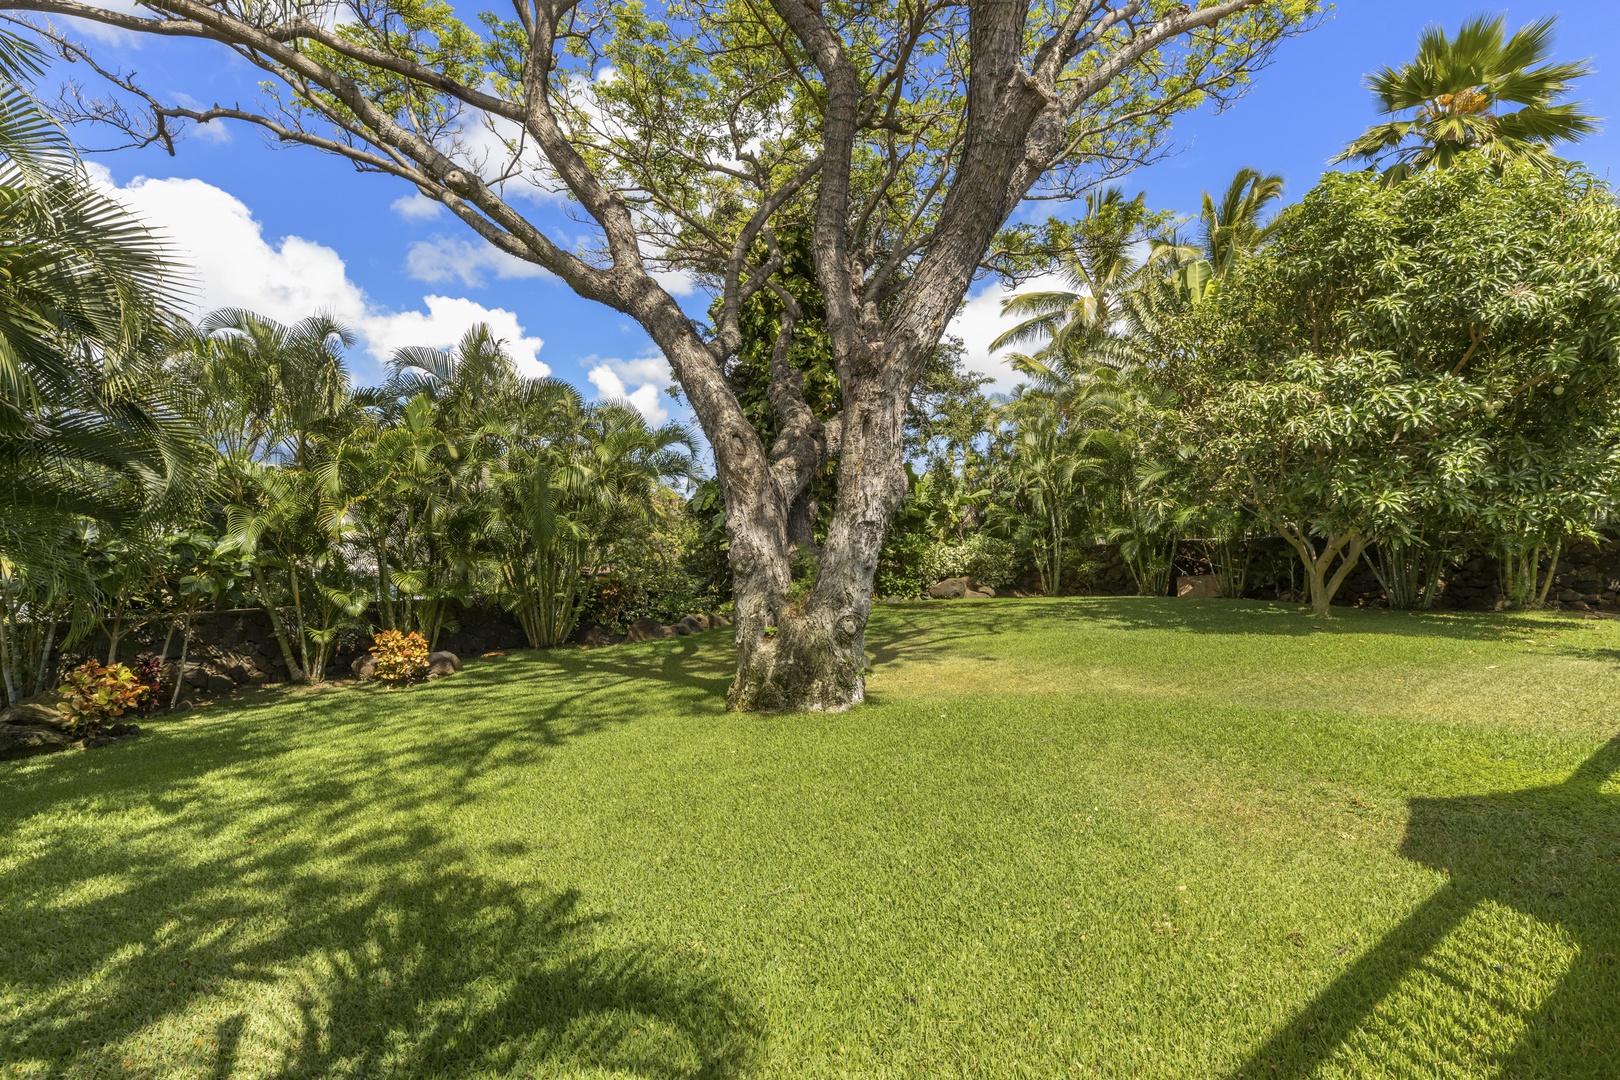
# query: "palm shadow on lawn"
{"type": "Point", "coordinates": [335, 895]}
{"type": "Point", "coordinates": [1551, 853]}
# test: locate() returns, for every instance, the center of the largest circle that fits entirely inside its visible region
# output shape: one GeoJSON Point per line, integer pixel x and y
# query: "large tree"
{"type": "Point", "coordinates": [904, 134]}
{"type": "Point", "coordinates": [1422, 366]}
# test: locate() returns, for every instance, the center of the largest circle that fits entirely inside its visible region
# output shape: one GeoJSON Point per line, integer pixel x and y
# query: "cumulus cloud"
{"type": "Point", "coordinates": [215, 233]}
{"type": "Point", "coordinates": [980, 322]}
{"type": "Point", "coordinates": [416, 207]}
{"type": "Point", "coordinates": [676, 282]}
{"type": "Point", "coordinates": [446, 258]}
{"type": "Point", "coordinates": [641, 382]}
{"type": "Point", "coordinates": [446, 319]}
{"type": "Point", "coordinates": [215, 131]}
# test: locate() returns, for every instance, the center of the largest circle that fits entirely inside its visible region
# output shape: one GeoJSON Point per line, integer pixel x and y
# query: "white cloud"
{"type": "Point", "coordinates": [235, 266]}
{"type": "Point", "coordinates": [641, 382]}
{"type": "Point", "coordinates": [215, 131]}
{"type": "Point", "coordinates": [416, 207]}
{"type": "Point", "coordinates": [445, 257]}
{"type": "Point", "coordinates": [980, 322]}
{"type": "Point", "coordinates": [676, 282]}
{"type": "Point", "coordinates": [446, 319]}
{"type": "Point", "coordinates": [111, 35]}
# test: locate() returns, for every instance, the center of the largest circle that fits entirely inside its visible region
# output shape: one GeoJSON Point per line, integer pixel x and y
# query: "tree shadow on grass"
{"type": "Point", "coordinates": [929, 630]}
{"type": "Point", "coordinates": [1551, 853]}
{"type": "Point", "coordinates": [277, 895]}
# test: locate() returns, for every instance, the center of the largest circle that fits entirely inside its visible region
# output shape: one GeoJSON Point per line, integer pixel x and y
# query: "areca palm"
{"type": "Point", "coordinates": [1078, 325]}
{"type": "Point", "coordinates": [278, 387]}
{"type": "Point", "coordinates": [563, 502]}
{"type": "Point", "coordinates": [1455, 90]}
{"type": "Point", "coordinates": [1228, 230]}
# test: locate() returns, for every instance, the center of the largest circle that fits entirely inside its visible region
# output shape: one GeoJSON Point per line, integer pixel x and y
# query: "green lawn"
{"type": "Point", "coordinates": [1076, 837]}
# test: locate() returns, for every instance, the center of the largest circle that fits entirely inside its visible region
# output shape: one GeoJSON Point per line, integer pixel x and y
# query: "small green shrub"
{"type": "Point", "coordinates": [987, 559]}
{"type": "Point", "coordinates": [401, 656]}
{"type": "Point", "coordinates": [94, 693]}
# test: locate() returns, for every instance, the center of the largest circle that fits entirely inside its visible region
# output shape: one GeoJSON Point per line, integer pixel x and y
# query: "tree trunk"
{"type": "Point", "coordinates": [168, 639]}
{"type": "Point", "coordinates": [303, 636]}
{"type": "Point", "coordinates": [1552, 568]}
{"type": "Point", "coordinates": [1346, 546]}
{"type": "Point", "coordinates": [5, 664]}
{"type": "Point", "coordinates": [42, 676]}
{"type": "Point", "coordinates": [816, 659]}
{"type": "Point", "coordinates": [180, 668]}
{"type": "Point", "coordinates": [114, 635]}
{"type": "Point", "coordinates": [294, 672]}
{"type": "Point", "coordinates": [385, 596]}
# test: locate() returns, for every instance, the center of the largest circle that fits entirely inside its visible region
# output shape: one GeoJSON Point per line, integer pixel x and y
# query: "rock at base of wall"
{"type": "Point", "coordinates": [596, 636]}
{"type": "Point", "coordinates": [645, 629]}
{"type": "Point", "coordinates": [1198, 587]}
{"type": "Point", "coordinates": [959, 588]}
{"type": "Point", "coordinates": [36, 712]}
{"type": "Point", "coordinates": [22, 740]}
{"type": "Point", "coordinates": [364, 666]}
{"type": "Point", "coordinates": [442, 663]}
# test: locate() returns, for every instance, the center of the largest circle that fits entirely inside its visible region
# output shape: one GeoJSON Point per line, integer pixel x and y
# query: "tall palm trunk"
{"type": "Point", "coordinates": [267, 601]}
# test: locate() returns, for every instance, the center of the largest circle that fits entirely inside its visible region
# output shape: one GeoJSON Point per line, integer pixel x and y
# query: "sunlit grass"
{"type": "Point", "coordinates": [1090, 837]}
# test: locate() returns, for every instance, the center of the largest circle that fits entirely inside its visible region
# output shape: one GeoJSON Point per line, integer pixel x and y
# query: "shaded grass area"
{"type": "Point", "coordinates": [1079, 837]}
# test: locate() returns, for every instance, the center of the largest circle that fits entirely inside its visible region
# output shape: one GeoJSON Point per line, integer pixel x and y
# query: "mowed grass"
{"type": "Point", "coordinates": [1066, 838]}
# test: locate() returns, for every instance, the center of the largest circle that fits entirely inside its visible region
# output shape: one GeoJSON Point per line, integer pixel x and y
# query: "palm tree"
{"type": "Point", "coordinates": [278, 387]}
{"type": "Point", "coordinates": [85, 299]}
{"type": "Point", "coordinates": [1228, 231]}
{"type": "Point", "coordinates": [1079, 325]}
{"type": "Point", "coordinates": [1455, 89]}
{"type": "Point", "coordinates": [565, 500]}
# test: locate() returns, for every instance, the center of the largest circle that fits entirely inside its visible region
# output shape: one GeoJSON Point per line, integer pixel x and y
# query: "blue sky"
{"type": "Point", "coordinates": [286, 229]}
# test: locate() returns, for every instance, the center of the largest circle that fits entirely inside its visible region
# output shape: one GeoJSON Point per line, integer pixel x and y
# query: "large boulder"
{"type": "Point", "coordinates": [216, 682]}
{"type": "Point", "coordinates": [960, 588]}
{"type": "Point", "coordinates": [1198, 587]}
{"type": "Point", "coordinates": [36, 712]}
{"type": "Point", "coordinates": [238, 667]}
{"type": "Point", "coordinates": [442, 663]}
{"type": "Point", "coordinates": [21, 740]}
{"type": "Point", "coordinates": [645, 629]}
{"type": "Point", "coordinates": [364, 666]}
{"type": "Point", "coordinates": [596, 636]}
{"type": "Point", "coordinates": [690, 624]}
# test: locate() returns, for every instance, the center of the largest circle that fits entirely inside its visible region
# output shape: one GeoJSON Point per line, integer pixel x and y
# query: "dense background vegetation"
{"type": "Point", "coordinates": [1414, 366]}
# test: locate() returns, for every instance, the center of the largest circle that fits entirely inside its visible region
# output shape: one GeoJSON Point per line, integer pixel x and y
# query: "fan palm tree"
{"type": "Point", "coordinates": [1455, 90]}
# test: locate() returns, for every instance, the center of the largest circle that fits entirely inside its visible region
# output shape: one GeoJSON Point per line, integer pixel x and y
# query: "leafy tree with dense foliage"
{"type": "Point", "coordinates": [1425, 365]}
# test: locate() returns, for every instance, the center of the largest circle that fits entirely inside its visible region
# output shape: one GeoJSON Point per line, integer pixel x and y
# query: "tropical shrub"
{"type": "Point", "coordinates": [94, 693]}
{"type": "Point", "coordinates": [148, 669]}
{"type": "Point", "coordinates": [401, 656]}
{"type": "Point", "coordinates": [987, 559]}
{"type": "Point", "coordinates": [1426, 367]}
